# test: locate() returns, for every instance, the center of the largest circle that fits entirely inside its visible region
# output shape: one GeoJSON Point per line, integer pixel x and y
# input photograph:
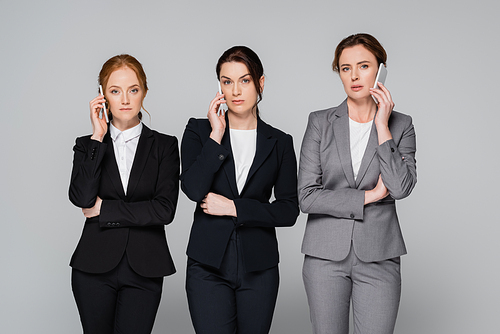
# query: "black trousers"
{"type": "Point", "coordinates": [228, 300]}
{"type": "Point", "coordinates": [119, 301]}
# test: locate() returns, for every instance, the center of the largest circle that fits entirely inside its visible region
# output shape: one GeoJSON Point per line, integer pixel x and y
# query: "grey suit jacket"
{"type": "Point", "coordinates": [334, 200]}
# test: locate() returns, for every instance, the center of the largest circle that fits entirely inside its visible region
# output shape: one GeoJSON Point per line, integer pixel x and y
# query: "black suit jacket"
{"type": "Point", "coordinates": [209, 167]}
{"type": "Point", "coordinates": [132, 223]}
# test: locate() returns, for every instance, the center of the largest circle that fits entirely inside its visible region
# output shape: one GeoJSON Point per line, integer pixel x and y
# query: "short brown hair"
{"type": "Point", "coordinates": [118, 62]}
{"type": "Point", "coordinates": [367, 40]}
{"type": "Point", "coordinates": [244, 55]}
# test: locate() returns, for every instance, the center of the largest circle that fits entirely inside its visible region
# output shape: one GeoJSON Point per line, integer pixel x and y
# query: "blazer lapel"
{"type": "Point", "coordinates": [109, 164]}
{"type": "Point", "coordinates": [141, 157]}
{"type": "Point", "coordinates": [340, 124]}
{"type": "Point", "coordinates": [265, 144]}
{"type": "Point", "coordinates": [370, 151]}
{"type": "Point", "coordinates": [228, 165]}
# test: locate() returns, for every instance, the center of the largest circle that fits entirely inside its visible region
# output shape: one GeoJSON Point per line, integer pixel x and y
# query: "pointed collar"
{"type": "Point", "coordinates": [265, 144]}
{"type": "Point", "coordinates": [127, 134]}
{"type": "Point", "coordinates": [339, 112]}
{"type": "Point", "coordinates": [340, 127]}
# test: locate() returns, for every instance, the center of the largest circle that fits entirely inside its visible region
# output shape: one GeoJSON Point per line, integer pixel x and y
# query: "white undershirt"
{"type": "Point", "coordinates": [125, 145]}
{"type": "Point", "coordinates": [243, 144]}
{"type": "Point", "coordinates": [359, 133]}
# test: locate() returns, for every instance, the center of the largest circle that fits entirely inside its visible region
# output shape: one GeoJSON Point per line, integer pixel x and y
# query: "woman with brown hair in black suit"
{"type": "Point", "coordinates": [231, 164]}
{"type": "Point", "coordinates": [126, 180]}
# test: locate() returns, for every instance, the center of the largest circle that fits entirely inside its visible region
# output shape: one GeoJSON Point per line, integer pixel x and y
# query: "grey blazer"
{"type": "Point", "coordinates": [334, 200]}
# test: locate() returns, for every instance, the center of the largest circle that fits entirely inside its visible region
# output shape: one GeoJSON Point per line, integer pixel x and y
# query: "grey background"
{"type": "Point", "coordinates": [443, 70]}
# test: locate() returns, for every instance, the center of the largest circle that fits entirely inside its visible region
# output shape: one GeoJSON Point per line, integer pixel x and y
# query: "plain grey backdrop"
{"type": "Point", "coordinates": [443, 62]}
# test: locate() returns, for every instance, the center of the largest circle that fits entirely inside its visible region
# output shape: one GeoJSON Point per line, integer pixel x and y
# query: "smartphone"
{"type": "Point", "coordinates": [223, 105]}
{"type": "Point", "coordinates": [381, 75]}
{"type": "Point", "coordinates": [103, 110]}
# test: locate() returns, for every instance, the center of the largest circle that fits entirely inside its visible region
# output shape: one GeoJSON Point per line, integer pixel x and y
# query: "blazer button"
{"type": "Point", "coordinates": [392, 149]}
{"type": "Point", "coordinates": [352, 215]}
{"type": "Point", "coordinates": [221, 156]}
{"type": "Point", "coordinates": [108, 224]}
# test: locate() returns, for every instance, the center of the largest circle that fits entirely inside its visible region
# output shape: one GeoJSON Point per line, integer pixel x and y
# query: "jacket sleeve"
{"type": "Point", "coordinates": [397, 162]}
{"type": "Point", "coordinates": [160, 209]}
{"type": "Point", "coordinates": [201, 159]}
{"type": "Point", "coordinates": [86, 172]}
{"type": "Point", "coordinates": [283, 211]}
{"type": "Point", "coordinates": [314, 198]}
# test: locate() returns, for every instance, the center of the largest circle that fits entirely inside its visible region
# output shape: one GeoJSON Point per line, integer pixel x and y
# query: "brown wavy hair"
{"type": "Point", "coordinates": [244, 55]}
{"type": "Point", "coordinates": [367, 40]}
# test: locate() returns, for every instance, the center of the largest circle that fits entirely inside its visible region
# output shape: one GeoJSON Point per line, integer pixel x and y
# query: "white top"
{"type": "Point", "coordinates": [359, 133]}
{"type": "Point", "coordinates": [125, 145]}
{"type": "Point", "coordinates": [243, 144]}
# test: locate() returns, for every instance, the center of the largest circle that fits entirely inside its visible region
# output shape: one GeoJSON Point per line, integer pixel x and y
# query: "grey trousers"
{"type": "Point", "coordinates": [373, 287]}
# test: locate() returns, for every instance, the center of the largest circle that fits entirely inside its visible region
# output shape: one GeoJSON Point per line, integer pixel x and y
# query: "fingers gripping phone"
{"type": "Point", "coordinates": [381, 76]}
{"type": "Point", "coordinates": [222, 106]}
{"type": "Point", "coordinates": [103, 110]}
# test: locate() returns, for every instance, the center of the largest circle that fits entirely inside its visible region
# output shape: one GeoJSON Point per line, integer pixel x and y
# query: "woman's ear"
{"type": "Point", "coordinates": [261, 83]}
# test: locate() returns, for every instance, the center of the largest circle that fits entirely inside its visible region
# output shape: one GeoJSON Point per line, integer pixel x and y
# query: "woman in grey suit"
{"type": "Point", "coordinates": [356, 160]}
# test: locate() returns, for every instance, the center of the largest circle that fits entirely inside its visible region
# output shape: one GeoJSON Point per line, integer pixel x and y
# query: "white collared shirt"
{"type": "Point", "coordinates": [125, 145]}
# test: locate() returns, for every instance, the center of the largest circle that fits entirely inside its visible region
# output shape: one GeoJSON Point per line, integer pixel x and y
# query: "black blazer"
{"type": "Point", "coordinates": [209, 167]}
{"type": "Point", "coordinates": [132, 223]}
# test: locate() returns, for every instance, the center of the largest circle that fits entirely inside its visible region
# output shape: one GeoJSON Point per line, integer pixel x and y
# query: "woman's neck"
{"type": "Point", "coordinates": [361, 111]}
{"type": "Point", "coordinates": [247, 121]}
{"type": "Point", "coordinates": [125, 125]}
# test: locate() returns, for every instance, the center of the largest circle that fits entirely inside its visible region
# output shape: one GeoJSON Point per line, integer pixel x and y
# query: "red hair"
{"type": "Point", "coordinates": [118, 62]}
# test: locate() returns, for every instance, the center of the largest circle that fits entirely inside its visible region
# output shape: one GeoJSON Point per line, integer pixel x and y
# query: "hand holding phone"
{"type": "Point", "coordinates": [222, 106]}
{"type": "Point", "coordinates": [103, 110]}
{"type": "Point", "coordinates": [381, 76]}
